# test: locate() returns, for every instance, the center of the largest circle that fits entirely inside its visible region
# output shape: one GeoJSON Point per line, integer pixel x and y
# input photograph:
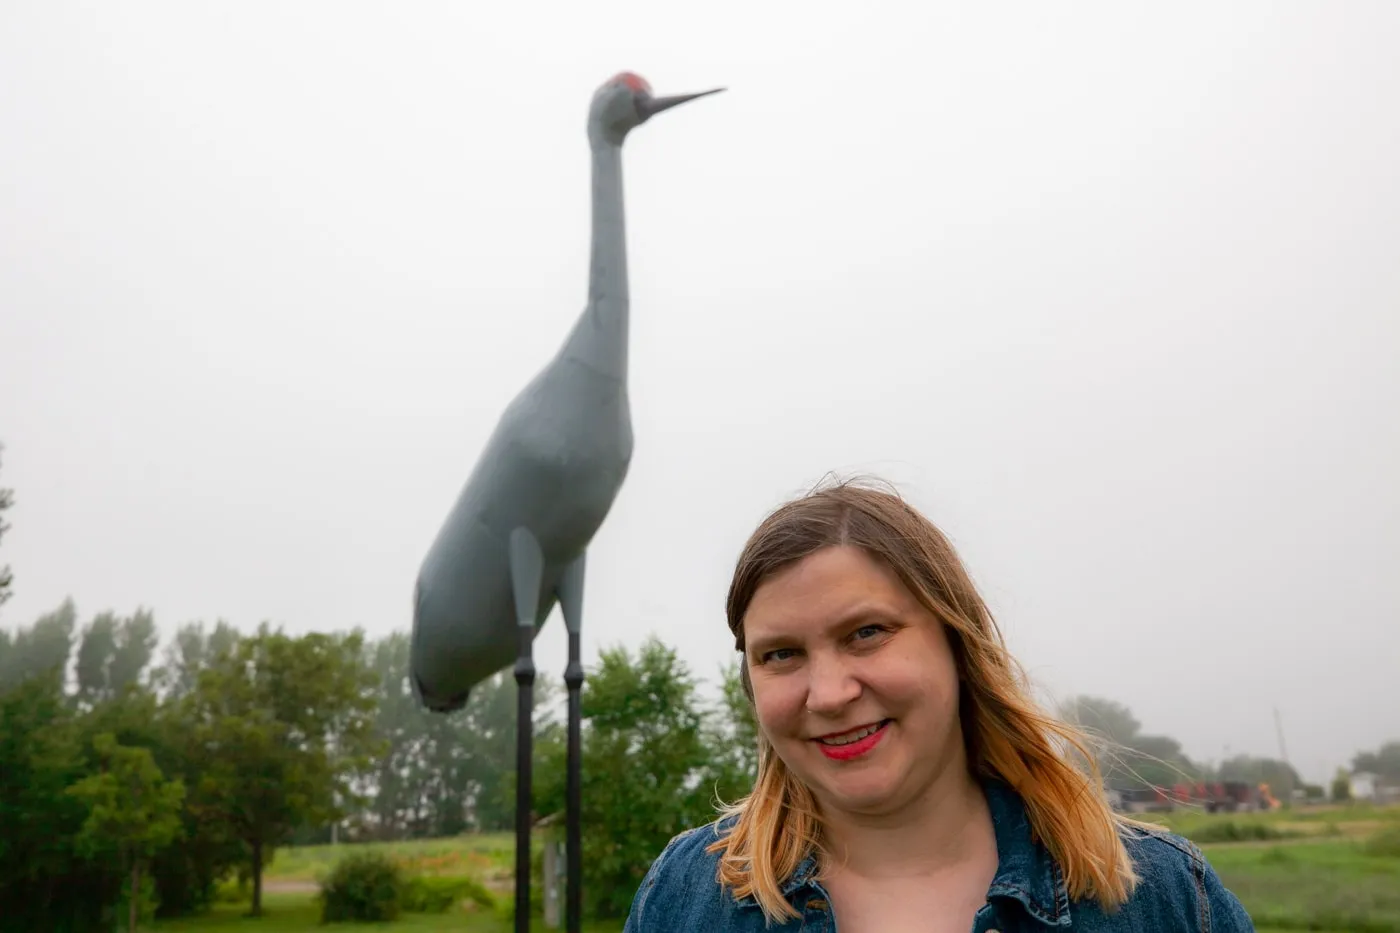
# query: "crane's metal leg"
{"type": "Point", "coordinates": [571, 602]}
{"type": "Point", "coordinates": [526, 569]}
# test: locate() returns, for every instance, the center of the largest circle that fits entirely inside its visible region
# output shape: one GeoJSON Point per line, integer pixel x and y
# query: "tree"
{"type": "Point", "coordinates": [185, 655]}
{"type": "Point", "coordinates": [442, 773]}
{"type": "Point", "coordinates": [1279, 775]}
{"type": "Point", "coordinates": [95, 649]}
{"type": "Point", "coordinates": [644, 762]}
{"type": "Point", "coordinates": [42, 648]}
{"type": "Point", "coordinates": [133, 812]}
{"type": "Point", "coordinates": [283, 725]}
{"type": "Point", "coordinates": [113, 654]}
{"type": "Point", "coordinates": [400, 727]}
{"type": "Point", "coordinates": [488, 730]}
{"type": "Point", "coordinates": [185, 872]}
{"type": "Point", "coordinates": [1103, 718]}
{"type": "Point", "coordinates": [1341, 786]}
{"type": "Point", "coordinates": [45, 884]}
{"type": "Point", "coordinates": [732, 737]}
{"type": "Point", "coordinates": [1156, 761]}
{"type": "Point", "coordinates": [1127, 758]}
{"type": "Point", "coordinates": [136, 645]}
{"type": "Point", "coordinates": [1384, 762]}
{"type": "Point", "coordinates": [7, 500]}
{"type": "Point", "coordinates": [421, 781]}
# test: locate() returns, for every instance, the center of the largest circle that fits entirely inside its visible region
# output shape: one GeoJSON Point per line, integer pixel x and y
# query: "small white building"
{"type": "Point", "coordinates": [1364, 786]}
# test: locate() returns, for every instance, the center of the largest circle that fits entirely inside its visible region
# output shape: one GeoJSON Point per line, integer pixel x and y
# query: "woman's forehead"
{"type": "Point", "coordinates": [835, 568]}
{"type": "Point", "coordinates": [830, 587]}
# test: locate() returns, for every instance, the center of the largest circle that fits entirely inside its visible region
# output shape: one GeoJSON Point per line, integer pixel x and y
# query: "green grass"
{"type": "Point", "coordinates": [1324, 869]}
{"type": "Point", "coordinates": [489, 857]}
{"type": "Point", "coordinates": [1316, 868]}
{"type": "Point", "coordinates": [299, 913]}
{"type": "Point", "coordinates": [1350, 820]}
{"type": "Point", "coordinates": [1332, 885]}
{"type": "Point", "coordinates": [482, 855]}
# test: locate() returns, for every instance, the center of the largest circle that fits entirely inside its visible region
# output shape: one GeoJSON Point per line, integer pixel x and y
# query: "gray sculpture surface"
{"type": "Point", "coordinates": [516, 539]}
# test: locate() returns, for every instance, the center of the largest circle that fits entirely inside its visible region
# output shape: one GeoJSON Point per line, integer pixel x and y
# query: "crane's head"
{"type": "Point", "coordinates": [624, 102]}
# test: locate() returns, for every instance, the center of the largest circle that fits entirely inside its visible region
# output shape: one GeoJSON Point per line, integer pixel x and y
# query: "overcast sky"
{"type": "Point", "coordinates": [1112, 294]}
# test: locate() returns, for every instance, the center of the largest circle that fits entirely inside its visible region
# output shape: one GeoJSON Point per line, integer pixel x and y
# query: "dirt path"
{"type": "Point", "coordinates": [289, 887]}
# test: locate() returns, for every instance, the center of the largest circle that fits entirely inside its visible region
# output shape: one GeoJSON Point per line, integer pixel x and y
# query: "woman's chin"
{"type": "Point", "coordinates": [869, 792]}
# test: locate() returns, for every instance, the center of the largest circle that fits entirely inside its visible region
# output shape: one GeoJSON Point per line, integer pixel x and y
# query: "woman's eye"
{"type": "Point", "coordinates": [869, 631]}
{"type": "Point", "coordinates": [779, 654]}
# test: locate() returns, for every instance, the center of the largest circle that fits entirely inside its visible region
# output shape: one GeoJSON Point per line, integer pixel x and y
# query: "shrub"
{"type": "Point", "coordinates": [231, 891]}
{"type": "Point", "coordinates": [1341, 787]}
{"type": "Point", "coordinates": [437, 894]}
{"type": "Point", "coordinates": [1232, 831]}
{"type": "Point", "coordinates": [505, 905]}
{"type": "Point", "coordinates": [363, 887]}
{"type": "Point", "coordinates": [1384, 844]}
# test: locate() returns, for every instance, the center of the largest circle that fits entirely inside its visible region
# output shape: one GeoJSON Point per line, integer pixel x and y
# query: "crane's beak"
{"type": "Point", "coordinates": [650, 106]}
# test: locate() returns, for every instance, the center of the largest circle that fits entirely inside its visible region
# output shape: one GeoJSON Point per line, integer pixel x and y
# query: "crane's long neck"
{"type": "Point", "coordinates": [599, 338]}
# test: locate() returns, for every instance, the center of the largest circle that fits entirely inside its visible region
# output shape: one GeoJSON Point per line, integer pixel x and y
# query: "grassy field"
{"type": "Point", "coordinates": [1329, 885]}
{"type": "Point", "coordinates": [482, 856]}
{"type": "Point", "coordinates": [1328, 869]}
{"type": "Point", "coordinates": [298, 913]}
{"type": "Point", "coordinates": [1355, 820]}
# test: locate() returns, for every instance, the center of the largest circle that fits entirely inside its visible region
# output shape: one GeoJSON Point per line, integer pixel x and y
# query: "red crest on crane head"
{"type": "Point", "coordinates": [636, 82]}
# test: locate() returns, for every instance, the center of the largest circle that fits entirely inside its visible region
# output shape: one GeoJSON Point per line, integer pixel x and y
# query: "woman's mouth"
{"type": "Point", "coordinates": [843, 746]}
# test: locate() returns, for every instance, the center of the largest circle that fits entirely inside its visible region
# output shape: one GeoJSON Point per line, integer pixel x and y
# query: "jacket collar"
{"type": "Point", "coordinates": [1026, 872]}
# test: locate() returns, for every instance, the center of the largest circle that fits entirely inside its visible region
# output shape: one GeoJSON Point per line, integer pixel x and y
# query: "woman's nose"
{"type": "Point", "coordinates": [831, 685]}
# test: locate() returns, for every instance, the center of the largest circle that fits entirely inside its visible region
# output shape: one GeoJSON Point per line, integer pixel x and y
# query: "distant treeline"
{"type": "Point", "coordinates": [128, 767]}
{"type": "Point", "coordinates": [123, 771]}
{"type": "Point", "coordinates": [1132, 759]}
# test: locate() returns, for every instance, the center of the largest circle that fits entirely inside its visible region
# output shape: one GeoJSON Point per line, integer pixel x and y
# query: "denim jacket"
{"type": "Point", "coordinates": [1178, 891]}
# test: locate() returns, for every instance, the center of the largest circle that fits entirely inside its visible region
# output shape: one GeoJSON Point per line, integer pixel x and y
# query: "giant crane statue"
{"type": "Point", "coordinates": [516, 540]}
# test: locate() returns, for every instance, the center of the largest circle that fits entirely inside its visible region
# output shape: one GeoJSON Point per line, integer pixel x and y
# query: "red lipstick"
{"type": "Point", "coordinates": [854, 749]}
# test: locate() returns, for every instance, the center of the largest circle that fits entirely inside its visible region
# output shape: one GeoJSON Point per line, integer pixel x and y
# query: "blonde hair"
{"type": "Point", "coordinates": [1007, 736]}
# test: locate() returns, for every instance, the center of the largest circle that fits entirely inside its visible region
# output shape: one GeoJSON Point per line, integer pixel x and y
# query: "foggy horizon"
{"type": "Point", "coordinates": [1111, 295]}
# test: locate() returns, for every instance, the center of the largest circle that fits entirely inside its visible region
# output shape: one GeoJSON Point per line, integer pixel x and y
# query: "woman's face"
{"type": "Point", "coordinates": [854, 682]}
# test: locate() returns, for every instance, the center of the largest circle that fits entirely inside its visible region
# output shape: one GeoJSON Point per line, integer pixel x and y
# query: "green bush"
{"type": "Point", "coordinates": [1232, 831]}
{"type": "Point", "coordinates": [505, 905]}
{"type": "Point", "coordinates": [363, 887]}
{"type": "Point", "coordinates": [235, 890]}
{"type": "Point", "coordinates": [437, 894]}
{"type": "Point", "coordinates": [1384, 844]}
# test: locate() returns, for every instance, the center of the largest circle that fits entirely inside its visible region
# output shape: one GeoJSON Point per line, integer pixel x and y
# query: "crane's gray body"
{"type": "Point", "coordinates": [554, 464]}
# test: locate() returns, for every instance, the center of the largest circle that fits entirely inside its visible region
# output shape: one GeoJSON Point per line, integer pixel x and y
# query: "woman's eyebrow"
{"type": "Point", "coordinates": [792, 635]}
{"type": "Point", "coordinates": [761, 646]}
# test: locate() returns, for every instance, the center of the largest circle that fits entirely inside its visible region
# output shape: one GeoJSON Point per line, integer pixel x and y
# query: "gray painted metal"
{"type": "Point", "coordinates": [554, 464]}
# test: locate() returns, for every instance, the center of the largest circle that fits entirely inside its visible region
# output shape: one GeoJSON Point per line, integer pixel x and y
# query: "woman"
{"type": "Point", "coordinates": [906, 781]}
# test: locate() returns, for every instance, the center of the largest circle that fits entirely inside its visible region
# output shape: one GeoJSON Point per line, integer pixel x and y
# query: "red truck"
{"type": "Point", "coordinates": [1210, 796]}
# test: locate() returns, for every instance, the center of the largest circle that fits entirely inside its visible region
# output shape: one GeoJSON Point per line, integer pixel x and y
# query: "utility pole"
{"type": "Point", "coordinates": [1283, 757]}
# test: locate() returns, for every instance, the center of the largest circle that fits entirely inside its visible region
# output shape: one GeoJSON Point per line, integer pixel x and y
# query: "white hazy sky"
{"type": "Point", "coordinates": [1113, 293]}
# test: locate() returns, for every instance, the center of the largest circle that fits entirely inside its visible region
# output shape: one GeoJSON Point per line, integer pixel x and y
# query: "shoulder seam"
{"type": "Point", "coordinates": [1197, 860]}
{"type": "Point", "coordinates": [1165, 836]}
{"type": "Point", "coordinates": [654, 871]}
{"type": "Point", "coordinates": [682, 834]}
{"type": "Point", "coordinates": [1198, 872]}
